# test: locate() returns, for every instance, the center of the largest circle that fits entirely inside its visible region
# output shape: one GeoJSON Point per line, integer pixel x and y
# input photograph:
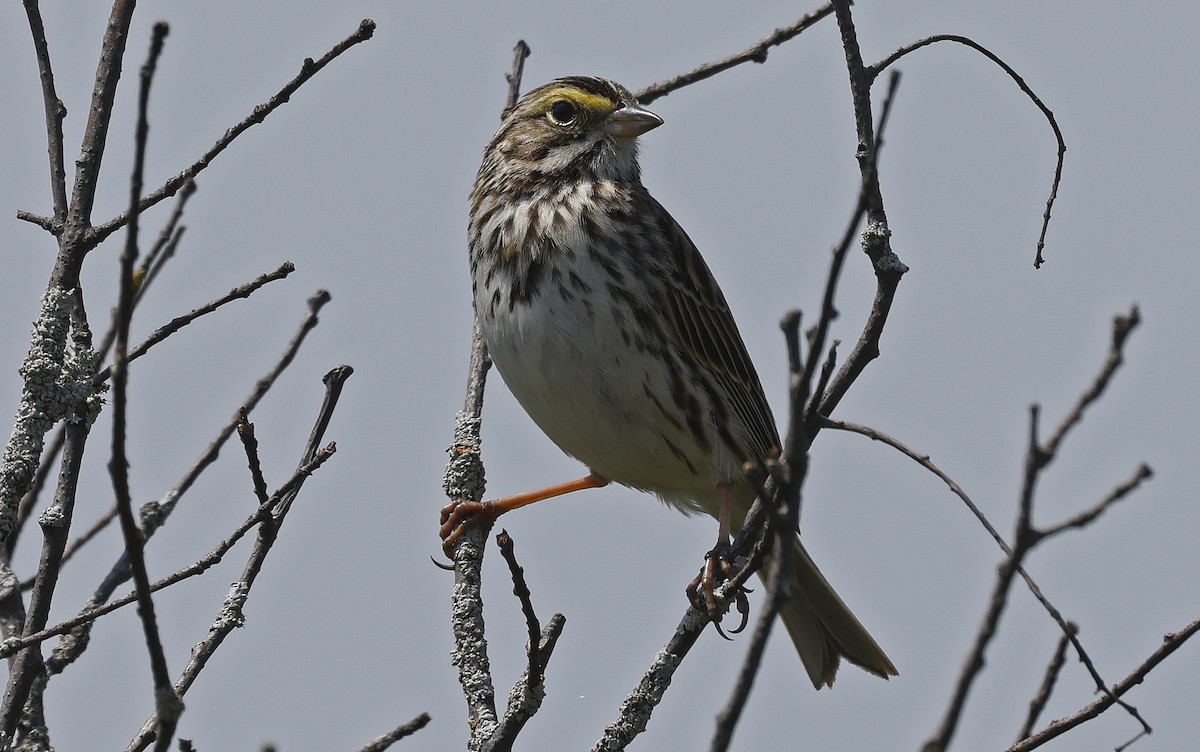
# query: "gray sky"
{"type": "Point", "coordinates": [361, 180]}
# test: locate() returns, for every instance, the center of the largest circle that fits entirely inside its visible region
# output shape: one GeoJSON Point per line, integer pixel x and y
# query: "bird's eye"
{"type": "Point", "coordinates": [562, 112]}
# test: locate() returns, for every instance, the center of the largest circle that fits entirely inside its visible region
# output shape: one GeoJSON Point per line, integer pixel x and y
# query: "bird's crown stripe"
{"type": "Point", "coordinates": [593, 102]}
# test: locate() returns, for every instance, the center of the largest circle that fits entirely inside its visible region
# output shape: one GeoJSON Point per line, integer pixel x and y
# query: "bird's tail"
{"type": "Point", "coordinates": [822, 626]}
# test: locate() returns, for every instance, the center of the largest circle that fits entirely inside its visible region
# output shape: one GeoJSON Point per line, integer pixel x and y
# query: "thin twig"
{"type": "Point", "coordinates": [334, 381]}
{"type": "Point", "coordinates": [1089, 515]}
{"type": "Point", "coordinates": [308, 69]}
{"type": "Point", "coordinates": [1122, 326]}
{"type": "Point", "coordinates": [156, 513]}
{"type": "Point", "coordinates": [876, 238]}
{"type": "Point", "coordinates": [819, 333]}
{"type": "Point", "coordinates": [55, 111]}
{"type": "Point", "coordinates": [1171, 643]}
{"type": "Point", "coordinates": [94, 610]}
{"type": "Point", "coordinates": [245, 430]}
{"type": "Point", "coordinates": [1038, 704]}
{"type": "Point", "coordinates": [527, 693]}
{"type": "Point", "coordinates": [168, 706]}
{"type": "Point", "coordinates": [229, 617]}
{"type": "Point", "coordinates": [151, 264]}
{"type": "Point", "coordinates": [520, 589]}
{"type": "Point", "coordinates": [381, 743]}
{"type": "Point", "coordinates": [755, 53]}
{"type": "Point", "coordinates": [878, 67]}
{"type": "Point", "coordinates": [521, 51]}
{"type": "Point", "coordinates": [179, 322]}
{"type": "Point", "coordinates": [164, 248]}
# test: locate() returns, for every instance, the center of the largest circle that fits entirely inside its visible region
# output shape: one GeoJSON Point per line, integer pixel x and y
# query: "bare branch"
{"type": "Point", "coordinates": [878, 68]}
{"type": "Point", "coordinates": [229, 617]}
{"type": "Point", "coordinates": [819, 333]}
{"type": "Point", "coordinates": [1171, 643]}
{"type": "Point", "coordinates": [55, 112]}
{"type": "Point", "coordinates": [366, 29]}
{"type": "Point", "coordinates": [520, 52]}
{"type": "Point", "coordinates": [1053, 669]}
{"type": "Point", "coordinates": [94, 610]}
{"type": "Point", "coordinates": [755, 53]}
{"type": "Point", "coordinates": [73, 245]}
{"type": "Point", "coordinates": [876, 238]}
{"type": "Point", "coordinates": [526, 696]}
{"type": "Point", "coordinates": [155, 514]}
{"type": "Point", "coordinates": [179, 322]}
{"type": "Point", "coordinates": [1087, 516]}
{"type": "Point", "coordinates": [168, 706]}
{"type": "Point", "coordinates": [1011, 566]}
{"type": "Point", "coordinates": [1122, 326]}
{"type": "Point", "coordinates": [1026, 538]}
{"type": "Point", "coordinates": [520, 589]}
{"type": "Point", "coordinates": [381, 743]}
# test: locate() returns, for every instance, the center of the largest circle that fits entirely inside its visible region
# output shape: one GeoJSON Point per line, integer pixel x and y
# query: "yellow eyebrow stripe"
{"type": "Point", "coordinates": [593, 102]}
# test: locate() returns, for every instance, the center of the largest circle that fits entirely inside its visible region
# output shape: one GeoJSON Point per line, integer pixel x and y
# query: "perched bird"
{"type": "Point", "coordinates": [608, 327]}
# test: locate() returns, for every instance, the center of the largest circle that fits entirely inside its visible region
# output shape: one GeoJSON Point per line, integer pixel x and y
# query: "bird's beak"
{"type": "Point", "coordinates": [631, 120]}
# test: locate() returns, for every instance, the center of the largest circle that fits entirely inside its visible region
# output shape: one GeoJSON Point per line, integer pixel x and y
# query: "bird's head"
{"type": "Point", "coordinates": [572, 129]}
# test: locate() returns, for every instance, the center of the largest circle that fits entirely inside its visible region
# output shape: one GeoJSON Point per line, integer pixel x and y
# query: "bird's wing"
{"type": "Point", "coordinates": [705, 330]}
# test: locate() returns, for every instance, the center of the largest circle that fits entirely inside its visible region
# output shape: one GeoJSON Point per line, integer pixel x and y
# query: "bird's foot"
{"type": "Point", "coordinates": [460, 516]}
{"type": "Point", "coordinates": [702, 590]}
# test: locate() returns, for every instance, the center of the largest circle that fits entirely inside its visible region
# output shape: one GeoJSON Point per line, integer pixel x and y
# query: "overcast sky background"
{"type": "Point", "coordinates": [362, 181]}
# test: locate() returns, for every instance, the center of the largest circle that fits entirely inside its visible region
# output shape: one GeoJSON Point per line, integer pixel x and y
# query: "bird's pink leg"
{"type": "Point", "coordinates": [460, 516]}
{"type": "Point", "coordinates": [717, 567]}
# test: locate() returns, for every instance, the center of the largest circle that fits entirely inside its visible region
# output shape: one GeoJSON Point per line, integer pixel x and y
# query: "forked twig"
{"type": "Point", "coordinates": [229, 616]}
{"type": "Point", "coordinates": [309, 68]}
{"type": "Point", "coordinates": [527, 693]}
{"type": "Point", "coordinates": [1171, 643]}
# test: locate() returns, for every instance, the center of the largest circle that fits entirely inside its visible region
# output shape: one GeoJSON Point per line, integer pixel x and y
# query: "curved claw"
{"type": "Point", "coordinates": [442, 564]}
{"type": "Point", "coordinates": [743, 607]}
{"type": "Point", "coordinates": [701, 592]}
{"type": "Point", "coordinates": [717, 626]}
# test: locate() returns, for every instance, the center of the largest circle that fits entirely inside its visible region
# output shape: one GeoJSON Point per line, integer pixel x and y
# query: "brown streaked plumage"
{"type": "Point", "coordinates": [605, 322]}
